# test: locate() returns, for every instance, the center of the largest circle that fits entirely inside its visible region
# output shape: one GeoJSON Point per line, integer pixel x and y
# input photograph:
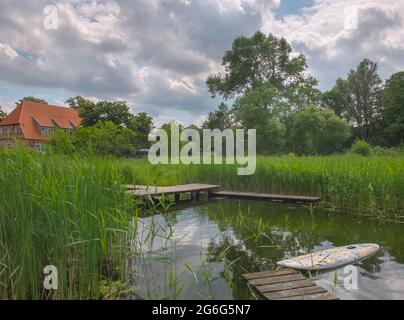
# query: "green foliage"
{"type": "Point", "coordinates": [311, 131]}
{"type": "Point", "coordinates": [337, 98]}
{"type": "Point", "coordinates": [393, 113]}
{"type": "Point", "coordinates": [61, 142]}
{"type": "Point", "coordinates": [2, 114]}
{"type": "Point", "coordinates": [220, 119]}
{"type": "Point", "coordinates": [142, 125]}
{"type": "Point", "coordinates": [90, 113]}
{"type": "Point", "coordinates": [105, 138]}
{"type": "Point", "coordinates": [256, 60]}
{"type": "Point", "coordinates": [361, 147]}
{"type": "Point", "coordinates": [31, 99]}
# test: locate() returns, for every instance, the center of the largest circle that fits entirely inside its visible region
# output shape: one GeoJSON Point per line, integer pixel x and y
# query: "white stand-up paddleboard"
{"type": "Point", "coordinates": [331, 258]}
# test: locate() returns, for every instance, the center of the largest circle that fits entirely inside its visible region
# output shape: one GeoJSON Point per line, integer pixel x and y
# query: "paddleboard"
{"type": "Point", "coordinates": [331, 258]}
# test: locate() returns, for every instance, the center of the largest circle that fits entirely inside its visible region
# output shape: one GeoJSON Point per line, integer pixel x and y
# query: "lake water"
{"type": "Point", "coordinates": [200, 251]}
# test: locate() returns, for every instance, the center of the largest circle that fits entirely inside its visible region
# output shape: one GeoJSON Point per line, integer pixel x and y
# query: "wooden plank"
{"type": "Point", "coordinates": [285, 286]}
{"type": "Point", "coordinates": [265, 196]}
{"type": "Point", "coordinates": [315, 296]}
{"type": "Point", "coordinates": [266, 274]}
{"type": "Point", "coordinates": [142, 191]}
{"type": "Point", "coordinates": [293, 293]}
{"type": "Point", "coordinates": [278, 279]}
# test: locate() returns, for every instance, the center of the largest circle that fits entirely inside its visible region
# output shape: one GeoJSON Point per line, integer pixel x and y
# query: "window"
{"type": "Point", "coordinates": [39, 146]}
{"type": "Point", "coordinates": [46, 130]}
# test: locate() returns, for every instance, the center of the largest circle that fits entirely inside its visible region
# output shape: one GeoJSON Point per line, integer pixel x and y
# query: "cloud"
{"type": "Point", "coordinates": [332, 49]}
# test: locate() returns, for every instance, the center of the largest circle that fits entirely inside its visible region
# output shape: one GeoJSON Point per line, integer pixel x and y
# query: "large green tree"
{"type": "Point", "coordinates": [313, 131]}
{"type": "Point", "coordinates": [91, 113]}
{"type": "Point", "coordinates": [364, 89]}
{"type": "Point", "coordinates": [260, 109]}
{"type": "Point", "coordinates": [257, 60]}
{"type": "Point", "coordinates": [393, 112]}
{"type": "Point", "coordinates": [142, 125]}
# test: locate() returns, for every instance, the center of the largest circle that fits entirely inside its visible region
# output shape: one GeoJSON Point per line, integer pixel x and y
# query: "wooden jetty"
{"type": "Point", "coordinates": [286, 284]}
{"type": "Point", "coordinates": [265, 197]}
{"type": "Point", "coordinates": [194, 189]}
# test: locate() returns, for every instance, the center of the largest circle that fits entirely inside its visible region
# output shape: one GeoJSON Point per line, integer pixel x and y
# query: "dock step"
{"type": "Point", "coordinates": [286, 284]}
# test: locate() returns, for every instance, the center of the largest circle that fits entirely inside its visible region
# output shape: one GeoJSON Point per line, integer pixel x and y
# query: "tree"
{"type": "Point", "coordinates": [364, 88]}
{"type": "Point", "coordinates": [2, 114]}
{"type": "Point", "coordinates": [312, 131]}
{"type": "Point", "coordinates": [91, 113]}
{"type": "Point", "coordinates": [142, 125]}
{"type": "Point", "coordinates": [221, 119]}
{"type": "Point", "coordinates": [31, 99]}
{"type": "Point", "coordinates": [393, 113]}
{"type": "Point", "coordinates": [337, 99]}
{"type": "Point", "coordinates": [105, 138]}
{"type": "Point", "coordinates": [260, 109]}
{"type": "Point", "coordinates": [61, 142]}
{"type": "Point", "coordinates": [257, 60]}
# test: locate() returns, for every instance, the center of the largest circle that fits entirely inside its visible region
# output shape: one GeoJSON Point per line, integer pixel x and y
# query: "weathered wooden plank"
{"type": "Point", "coordinates": [285, 286]}
{"type": "Point", "coordinates": [315, 296]}
{"type": "Point", "coordinates": [265, 196]}
{"type": "Point", "coordinates": [277, 279]}
{"type": "Point", "coordinates": [142, 191]}
{"type": "Point", "coordinates": [299, 292]}
{"type": "Point", "coordinates": [266, 274]}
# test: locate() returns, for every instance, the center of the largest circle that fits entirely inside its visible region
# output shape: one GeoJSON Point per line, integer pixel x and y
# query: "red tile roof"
{"type": "Point", "coordinates": [45, 115]}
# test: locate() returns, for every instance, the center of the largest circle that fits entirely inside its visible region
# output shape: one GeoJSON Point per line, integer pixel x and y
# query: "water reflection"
{"type": "Point", "coordinates": [200, 252]}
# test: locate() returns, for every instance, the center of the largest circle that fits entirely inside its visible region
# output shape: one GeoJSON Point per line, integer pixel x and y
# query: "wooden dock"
{"type": "Point", "coordinates": [194, 189]}
{"type": "Point", "coordinates": [286, 284]}
{"type": "Point", "coordinates": [265, 197]}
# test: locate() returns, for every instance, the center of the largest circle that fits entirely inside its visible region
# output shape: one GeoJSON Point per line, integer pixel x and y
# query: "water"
{"type": "Point", "coordinates": [201, 251]}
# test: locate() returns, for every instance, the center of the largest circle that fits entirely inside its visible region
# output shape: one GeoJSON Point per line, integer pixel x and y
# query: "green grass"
{"type": "Point", "coordinates": [71, 213]}
{"type": "Point", "coordinates": [366, 185]}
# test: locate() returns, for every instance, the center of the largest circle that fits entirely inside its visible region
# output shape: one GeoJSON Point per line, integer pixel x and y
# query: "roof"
{"type": "Point", "coordinates": [30, 114]}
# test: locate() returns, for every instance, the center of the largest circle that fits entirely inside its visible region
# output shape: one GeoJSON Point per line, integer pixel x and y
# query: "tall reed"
{"type": "Point", "coordinates": [67, 212]}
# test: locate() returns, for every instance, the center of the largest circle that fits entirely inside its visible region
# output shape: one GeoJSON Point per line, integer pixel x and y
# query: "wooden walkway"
{"type": "Point", "coordinates": [264, 196]}
{"type": "Point", "coordinates": [286, 284]}
{"type": "Point", "coordinates": [194, 189]}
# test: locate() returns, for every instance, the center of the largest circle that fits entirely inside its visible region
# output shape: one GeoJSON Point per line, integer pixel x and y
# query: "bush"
{"type": "Point", "coordinates": [361, 147]}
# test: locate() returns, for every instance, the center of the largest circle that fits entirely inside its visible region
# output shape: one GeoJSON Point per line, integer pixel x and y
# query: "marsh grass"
{"type": "Point", "coordinates": [71, 213]}
{"type": "Point", "coordinates": [371, 185]}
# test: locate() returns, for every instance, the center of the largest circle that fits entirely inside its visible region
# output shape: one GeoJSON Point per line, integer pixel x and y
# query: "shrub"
{"type": "Point", "coordinates": [361, 147]}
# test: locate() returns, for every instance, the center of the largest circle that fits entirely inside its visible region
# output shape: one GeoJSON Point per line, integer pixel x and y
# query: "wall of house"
{"type": "Point", "coordinates": [9, 133]}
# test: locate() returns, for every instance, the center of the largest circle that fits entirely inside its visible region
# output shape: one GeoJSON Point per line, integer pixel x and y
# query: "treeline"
{"type": "Point", "coordinates": [264, 87]}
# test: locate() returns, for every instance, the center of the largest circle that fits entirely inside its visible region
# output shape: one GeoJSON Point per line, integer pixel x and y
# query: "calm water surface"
{"type": "Point", "coordinates": [200, 251]}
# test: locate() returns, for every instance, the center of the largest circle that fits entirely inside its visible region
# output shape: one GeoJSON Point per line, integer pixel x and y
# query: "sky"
{"type": "Point", "coordinates": [157, 54]}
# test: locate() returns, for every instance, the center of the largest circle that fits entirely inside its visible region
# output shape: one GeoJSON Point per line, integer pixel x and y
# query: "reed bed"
{"type": "Point", "coordinates": [68, 212]}
{"type": "Point", "coordinates": [366, 185]}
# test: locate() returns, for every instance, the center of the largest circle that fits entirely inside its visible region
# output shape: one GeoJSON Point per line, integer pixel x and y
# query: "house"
{"type": "Point", "coordinates": [34, 122]}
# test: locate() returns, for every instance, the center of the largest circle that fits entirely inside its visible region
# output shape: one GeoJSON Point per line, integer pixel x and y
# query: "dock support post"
{"type": "Point", "coordinates": [177, 197]}
{"type": "Point", "coordinates": [195, 195]}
